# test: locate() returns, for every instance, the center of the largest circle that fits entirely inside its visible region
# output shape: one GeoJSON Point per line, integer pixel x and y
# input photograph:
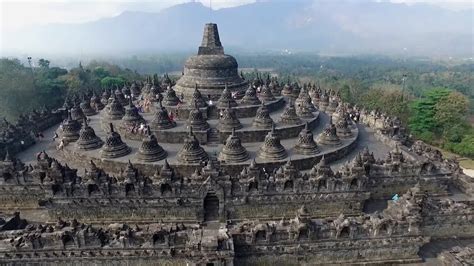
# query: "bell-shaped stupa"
{"type": "Point", "coordinates": [250, 97]}
{"type": "Point", "coordinates": [289, 116]}
{"type": "Point", "coordinates": [150, 150]}
{"type": "Point", "coordinates": [196, 119]}
{"type": "Point", "coordinates": [88, 140]}
{"type": "Point", "coordinates": [272, 150]}
{"type": "Point", "coordinates": [233, 151]}
{"type": "Point", "coordinates": [329, 135]}
{"type": "Point", "coordinates": [70, 129]}
{"type": "Point", "coordinates": [191, 152]}
{"type": "Point", "coordinates": [228, 120]}
{"type": "Point", "coordinates": [197, 99]}
{"type": "Point", "coordinates": [161, 119]}
{"type": "Point", "coordinates": [114, 147]}
{"type": "Point", "coordinates": [211, 69]}
{"type": "Point", "coordinates": [262, 118]}
{"type": "Point", "coordinates": [306, 144]}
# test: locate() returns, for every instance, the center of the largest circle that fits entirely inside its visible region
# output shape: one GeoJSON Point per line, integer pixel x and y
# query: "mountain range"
{"type": "Point", "coordinates": [326, 27]}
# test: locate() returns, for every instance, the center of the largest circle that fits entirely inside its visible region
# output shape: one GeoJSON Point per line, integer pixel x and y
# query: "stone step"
{"type": "Point", "coordinates": [213, 136]}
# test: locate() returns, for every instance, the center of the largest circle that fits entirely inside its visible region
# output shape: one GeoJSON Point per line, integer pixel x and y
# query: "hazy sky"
{"type": "Point", "coordinates": [17, 14]}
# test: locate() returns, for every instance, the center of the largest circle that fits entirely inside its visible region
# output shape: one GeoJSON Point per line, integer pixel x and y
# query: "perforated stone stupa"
{"type": "Point", "coordinates": [211, 69]}
{"type": "Point", "coordinates": [88, 140]}
{"type": "Point", "coordinates": [150, 150]}
{"type": "Point", "coordinates": [114, 147]}
{"type": "Point", "coordinates": [272, 149]}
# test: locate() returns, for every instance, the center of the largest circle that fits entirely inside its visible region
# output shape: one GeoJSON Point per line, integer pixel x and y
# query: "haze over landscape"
{"type": "Point", "coordinates": [325, 27]}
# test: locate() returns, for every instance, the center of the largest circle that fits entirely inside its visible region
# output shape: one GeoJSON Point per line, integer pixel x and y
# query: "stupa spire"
{"type": "Point", "coordinates": [211, 43]}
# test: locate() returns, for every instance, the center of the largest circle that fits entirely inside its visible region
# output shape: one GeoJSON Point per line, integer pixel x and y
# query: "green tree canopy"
{"type": "Point", "coordinates": [112, 82]}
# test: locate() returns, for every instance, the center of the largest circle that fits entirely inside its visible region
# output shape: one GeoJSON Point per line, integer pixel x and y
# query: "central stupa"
{"type": "Point", "coordinates": [210, 69]}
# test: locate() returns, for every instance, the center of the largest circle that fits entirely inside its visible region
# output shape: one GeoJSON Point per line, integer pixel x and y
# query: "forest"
{"type": "Point", "coordinates": [434, 99]}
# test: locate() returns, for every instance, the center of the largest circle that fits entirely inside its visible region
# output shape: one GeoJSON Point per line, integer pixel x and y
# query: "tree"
{"type": "Point", "coordinates": [111, 82]}
{"type": "Point", "coordinates": [21, 92]}
{"type": "Point", "coordinates": [43, 63]}
{"type": "Point", "coordinates": [423, 113]}
{"type": "Point", "coordinates": [451, 109]}
{"type": "Point", "coordinates": [100, 72]}
{"type": "Point", "coordinates": [346, 94]}
{"type": "Point", "coordinates": [389, 101]}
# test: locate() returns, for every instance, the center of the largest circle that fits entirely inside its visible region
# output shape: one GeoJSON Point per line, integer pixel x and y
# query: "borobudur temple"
{"type": "Point", "coordinates": [238, 172]}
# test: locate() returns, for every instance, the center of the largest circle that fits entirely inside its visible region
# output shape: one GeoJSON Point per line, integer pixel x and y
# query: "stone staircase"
{"type": "Point", "coordinates": [213, 136]}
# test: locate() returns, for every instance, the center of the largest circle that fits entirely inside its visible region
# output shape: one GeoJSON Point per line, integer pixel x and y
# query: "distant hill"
{"type": "Point", "coordinates": [330, 27]}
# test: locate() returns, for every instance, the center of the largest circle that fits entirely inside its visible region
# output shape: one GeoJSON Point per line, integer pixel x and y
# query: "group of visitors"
{"type": "Point", "coordinates": [141, 129]}
{"type": "Point", "coordinates": [144, 107]}
{"type": "Point", "coordinates": [354, 116]}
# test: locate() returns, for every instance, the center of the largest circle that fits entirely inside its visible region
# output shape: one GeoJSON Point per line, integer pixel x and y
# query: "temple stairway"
{"type": "Point", "coordinates": [213, 137]}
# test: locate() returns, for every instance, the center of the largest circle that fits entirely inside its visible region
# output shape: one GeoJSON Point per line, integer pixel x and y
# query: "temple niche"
{"type": "Point", "coordinates": [216, 169]}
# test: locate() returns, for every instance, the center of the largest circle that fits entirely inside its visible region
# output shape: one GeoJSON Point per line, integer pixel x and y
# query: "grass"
{"type": "Point", "coordinates": [463, 162]}
{"type": "Point", "coordinates": [466, 163]}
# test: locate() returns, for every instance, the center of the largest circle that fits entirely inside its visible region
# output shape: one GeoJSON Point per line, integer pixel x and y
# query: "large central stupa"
{"type": "Point", "coordinates": [210, 69]}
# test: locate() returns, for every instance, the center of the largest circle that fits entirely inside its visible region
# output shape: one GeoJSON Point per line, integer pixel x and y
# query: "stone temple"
{"type": "Point", "coordinates": [286, 174]}
{"type": "Point", "coordinates": [211, 70]}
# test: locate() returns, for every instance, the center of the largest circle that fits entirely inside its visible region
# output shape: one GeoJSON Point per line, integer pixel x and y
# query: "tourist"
{"type": "Point", "coordinates": [395, 197]}
{"type": "Point", "coordinates": [55, 136]}
{"type": "Point", "coordinates": [61, 145]}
